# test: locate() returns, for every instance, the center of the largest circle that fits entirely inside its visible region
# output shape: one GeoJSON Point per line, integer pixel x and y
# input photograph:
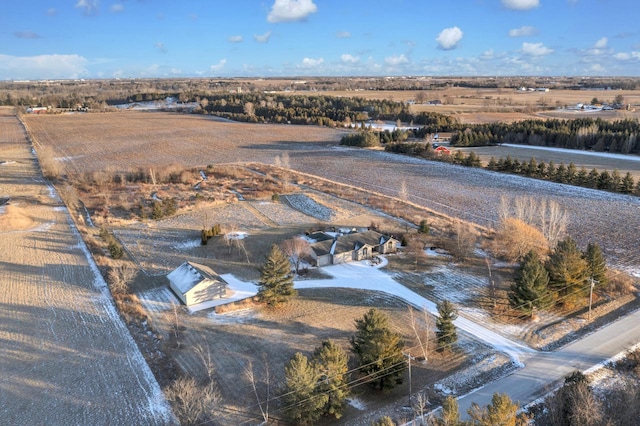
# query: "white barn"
{"type": "Point", "coordinates": [194, 283]}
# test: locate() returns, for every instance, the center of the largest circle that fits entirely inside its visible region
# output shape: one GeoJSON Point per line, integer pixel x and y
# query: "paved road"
{"type": "Point", "coordinates": [545, 370]}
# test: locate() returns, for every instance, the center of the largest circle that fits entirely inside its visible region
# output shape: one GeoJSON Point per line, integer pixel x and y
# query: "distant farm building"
{"type": "Point", "coordinates": [194, 283]}
{"type": "Point", "coordinates": [331, 250]}
{"type": "Point", "coordinates": [37, 110]}
{"type": "Point", "coordinates": [434, 102]}
{"type": "Point", "coordinates": [441, 150]}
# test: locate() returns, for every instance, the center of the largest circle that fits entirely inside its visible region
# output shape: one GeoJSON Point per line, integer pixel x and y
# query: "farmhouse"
{"type": "Point", "coordinates": [194, 283]}
{"type": "Point", "coordinates": [354, 246]}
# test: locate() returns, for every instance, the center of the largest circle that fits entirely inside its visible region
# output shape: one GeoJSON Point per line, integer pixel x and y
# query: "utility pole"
{"type": "Point", "coordinates": [408, 355]}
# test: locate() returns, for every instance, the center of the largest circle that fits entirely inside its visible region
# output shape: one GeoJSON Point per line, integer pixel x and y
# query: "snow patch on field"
{"type": "Point", "coordinates": [186, 245]}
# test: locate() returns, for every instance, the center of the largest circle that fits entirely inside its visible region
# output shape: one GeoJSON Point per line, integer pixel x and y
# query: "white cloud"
{"type": "Point", "coordinates": [487, 54]}
{"type": "Point", "coordinates": [597, 68]}
{"type": "Point", "coordinates": [262, 38]}
{"type": "Point", "coordinates": [535, 49]}
{"type": "Point", "coordinates": [90, 7]}
{"type": "Point", "coordinates": [291, 10]}
{"type": "Point", "coordinates": [449, 38]}
{"type": "Point", "coordinates": [601, 44]}
{"type": "Point", "coordinates": [116, 8]}
{"type": "Point", "coordinates": [42, 66]}
{"type": "Point", "coordinates": [523, 31]}
{"type": "Point", "coordinates": [622, 56]}
{"type": "Point", "coordinates": [52, 11]}
{"type": "Point", "coordinates": [349, 59]}
{"type": "Point", "coordinates": [343, 34]}
{"type": "Point", "coordinates": [235, 39]}
{"type": "Point", "coordinates": [396, 60]}
{"type": "Point", "coordinates": [161, 47]}
{"type": "Point", "coordinates": [520, 4]}
{"type": "Point", "coordinates": [311, 63]}
{"type": "Point", "coordinates": [635, 55]}
{"type": "Point", "coordinates": [218, 66]}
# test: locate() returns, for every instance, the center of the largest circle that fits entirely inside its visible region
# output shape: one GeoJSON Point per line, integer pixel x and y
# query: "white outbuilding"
{"type": "Point", "coordinates": [194, 283]}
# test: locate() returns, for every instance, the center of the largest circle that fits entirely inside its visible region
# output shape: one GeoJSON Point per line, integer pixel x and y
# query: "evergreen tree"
{"type": "Point", "coordinates": [493, 164]}
{"type": "Point", "coordinates": [531, 287]}
{"type": "Point", "coordinates": [445, 329]}
{"type": "Point", "coordinates": [276, 281]}
{"type": "Point", "coordinates": [450, 414]}
{"type": "Point", "coordinates": [627, 184]}
{"type": "Point", "coordinates": [379, 350]}
{"type": "Point", "coordinates": [568, 271]}
{"type": "Point", "coordinates": [331, 362]}
{"type": "Point", "coordinates": [596, 265]}
{"type": "Point", "coordinates": [582, 177]}
{"type": "Point", "coordinates": [572, 172]}
{"type": "Point", "coordinates": [303, 403]}
{"type": "Point", "coordinates": [616, 181]}
{"type": "Point", "coordinates": [604, 180]}
{"type": "Point", "coordinates": [592, 179]}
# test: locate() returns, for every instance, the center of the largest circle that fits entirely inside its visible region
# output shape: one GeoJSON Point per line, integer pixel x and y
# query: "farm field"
{"type": "Point", "coordinates": [470, 194]}
{"type": "Point", "coordinates": [588, 160]}
{"type": "Point", "coordinates": [66, 355]}
{"type": "Point", "coordinates": [159, 246]}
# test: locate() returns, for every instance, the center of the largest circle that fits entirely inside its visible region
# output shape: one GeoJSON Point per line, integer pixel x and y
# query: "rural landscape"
{"type": "Point", "coordinates": [355, 275]}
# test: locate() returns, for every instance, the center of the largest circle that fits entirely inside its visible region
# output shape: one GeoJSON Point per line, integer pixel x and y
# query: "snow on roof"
{"type": "Point", "coordinates": [189, 274]}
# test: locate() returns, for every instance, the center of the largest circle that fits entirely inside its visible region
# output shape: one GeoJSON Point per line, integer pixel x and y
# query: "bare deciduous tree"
{"type": "Point", "coordinates": [546, 215]}
{"type": "Point", "coordinates": [420, 329]}
{"type": "Point", "coordinates": [203, 351]}
{"type": "Point", "coordinates": [415, 248]}
{"type": "Point", "coordinates": [515, 238]}
{"type": "Point", "coordinates": [263, 400]}
{"type": "Point", "coordinates": [192, 403]}
{"type": "Point", "coordinates": [120, 278]}
{"type": "Point", "coordinates": [296, 249]}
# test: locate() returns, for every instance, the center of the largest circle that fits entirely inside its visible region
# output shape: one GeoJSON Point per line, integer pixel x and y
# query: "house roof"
{"type": "Point", "coordinates": [190, 274]}
{"type": "Point", "coordinates": [349, 242]}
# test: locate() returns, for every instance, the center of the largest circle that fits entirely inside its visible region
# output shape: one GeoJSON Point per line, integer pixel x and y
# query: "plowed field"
{"type": "Point", "coordinates": [98, 142]}
{"type": "Point", "coordinates": [66, 356]}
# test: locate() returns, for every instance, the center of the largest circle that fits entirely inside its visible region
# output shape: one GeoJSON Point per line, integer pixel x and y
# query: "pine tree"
{"type": "Point", "coordinates": [276, 281]}
{"type": "Point", "coordinates": [568, 271]}
{"type": "Point", "coordinates": [379, 350]}
{"type": "Point", "coordinates": [627, 184]}
{"type": "Point", "coordinates": [445, 329]}
{"type": "Point", "coordinates": [332, 364]}
{"type": "Point", "coordinates": [531, 287]}
{"type": "Point", "coordinates": [596, 265]}
{"type": "Point", "coordinates": [303, 403]}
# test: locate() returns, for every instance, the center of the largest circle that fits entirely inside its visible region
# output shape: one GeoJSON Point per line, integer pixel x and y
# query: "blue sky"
{"type": "Point", "coordinates": [53, 39]}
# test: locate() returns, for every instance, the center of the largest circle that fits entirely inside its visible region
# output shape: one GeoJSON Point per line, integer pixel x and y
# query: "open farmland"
{"type": "Point", "coordinates": [128, 141]}
{"type": "Point", "coordinates": [111, 141]}
{"type": "Point", "coordinates": [66, 355]}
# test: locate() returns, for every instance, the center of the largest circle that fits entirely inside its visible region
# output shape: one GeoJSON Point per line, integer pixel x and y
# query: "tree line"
{"type": "Point", "coordinates": [567, 174]}
{"type": "Point", "coordinates": [598, 135]}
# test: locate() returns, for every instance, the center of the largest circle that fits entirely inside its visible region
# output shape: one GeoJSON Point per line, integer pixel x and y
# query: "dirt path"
{"type": "Point", "coordinates": [66, 356]}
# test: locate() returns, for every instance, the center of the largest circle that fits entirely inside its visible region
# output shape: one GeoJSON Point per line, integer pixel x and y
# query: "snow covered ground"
{"type": "Point", "coordinates": [577, 151]}
{"type": "Point", "coordinates": [363, 275]}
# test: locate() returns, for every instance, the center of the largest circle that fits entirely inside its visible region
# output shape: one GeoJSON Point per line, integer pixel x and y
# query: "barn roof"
{"type": "Point", "coordinates": [189, 274]}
